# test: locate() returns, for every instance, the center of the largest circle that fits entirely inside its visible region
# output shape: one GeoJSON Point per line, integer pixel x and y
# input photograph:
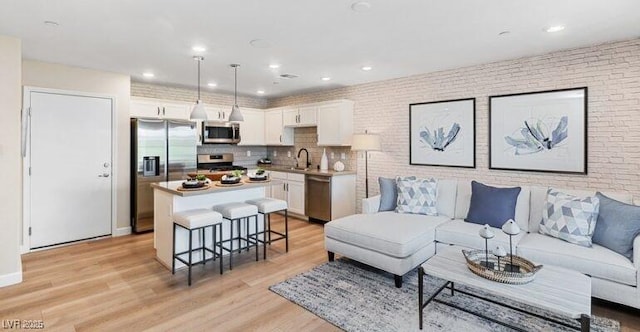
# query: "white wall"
{"type": "Point", "coordinates": [10, 161]}
{"type": "Point", "coordinates": [55, 76]}
{"type": "Point", "coordinates": [610, 71]}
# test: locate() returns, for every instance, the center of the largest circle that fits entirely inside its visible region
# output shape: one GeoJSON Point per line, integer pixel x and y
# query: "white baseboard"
{"type": "Point", "coordinates": [122, 231]}
{"type": "Point", "coordinates": [10, 279]}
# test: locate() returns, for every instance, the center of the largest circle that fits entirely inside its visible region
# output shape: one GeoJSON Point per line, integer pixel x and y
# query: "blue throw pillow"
{"type": "Point", "coordinates": [389, 193]}
{"type": "Point", "coordinates": [618, 225]}
{"type": "Point", "coordinates": [491, 205]}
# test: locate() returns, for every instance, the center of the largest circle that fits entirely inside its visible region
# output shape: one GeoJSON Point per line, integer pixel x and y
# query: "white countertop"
{"type": "Point", "coordinates": [172, 187]}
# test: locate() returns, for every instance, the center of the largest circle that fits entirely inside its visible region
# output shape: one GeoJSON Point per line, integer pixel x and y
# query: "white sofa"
{"type": "Point", "coordinates": [397, 243]}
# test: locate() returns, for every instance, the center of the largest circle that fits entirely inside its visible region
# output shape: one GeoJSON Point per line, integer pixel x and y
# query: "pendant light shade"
{"type": "Point", "coordinates": [198, 112]}
{"type": "Point", "coordinates": [236, 115]}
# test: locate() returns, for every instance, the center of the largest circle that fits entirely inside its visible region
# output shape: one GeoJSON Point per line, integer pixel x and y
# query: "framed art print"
{"type": "Point", "coordinates": [442, 133]}
{"type": "Point", "coordinates": [539, 131]}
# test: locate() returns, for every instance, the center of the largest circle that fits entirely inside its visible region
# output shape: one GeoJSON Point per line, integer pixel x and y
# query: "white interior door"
{"type": "Point", "coordinates": [70, 154]}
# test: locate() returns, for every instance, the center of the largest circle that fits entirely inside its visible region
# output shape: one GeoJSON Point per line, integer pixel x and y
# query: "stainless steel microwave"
{"type": "Point", "coordinates": [221, 132]}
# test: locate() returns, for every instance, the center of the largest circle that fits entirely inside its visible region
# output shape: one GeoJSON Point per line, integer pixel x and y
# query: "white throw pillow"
{"type": "Point", "coordinates": [569, 217]}
{"type": "Point", "coordinates": [417, 196]}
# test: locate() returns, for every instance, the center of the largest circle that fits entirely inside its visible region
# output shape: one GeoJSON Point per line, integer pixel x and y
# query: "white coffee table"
{"type": "Point", "coordinates": [558, 290]}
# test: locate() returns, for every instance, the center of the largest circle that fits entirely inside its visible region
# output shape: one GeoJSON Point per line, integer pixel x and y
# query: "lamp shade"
{"type": "Point", "coordinates": [236, 115]}
{"type": "Point", "coordinates": [198, 113]}
{"type": "Point", "coordinates": [365, 142]}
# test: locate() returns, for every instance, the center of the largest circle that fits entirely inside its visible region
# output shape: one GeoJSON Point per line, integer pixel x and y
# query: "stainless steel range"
{"type": "Point", "coordinates": [217, 165]}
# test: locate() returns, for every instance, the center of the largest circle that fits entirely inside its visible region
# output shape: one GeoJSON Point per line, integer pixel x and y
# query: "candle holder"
{"type": "Point", "coordinates": [486, 233]}
{"type": "Point", "coordinates": [511, 228]}
{"type": "Point", "coordinates": [499, 252]}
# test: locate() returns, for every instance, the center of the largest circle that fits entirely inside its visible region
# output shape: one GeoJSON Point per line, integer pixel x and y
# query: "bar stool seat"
{"type": "Point", "coordinates": [266, 206]}
{"type": "Point", "coordinates": [197, 220]}
{"type": "Point", "coordinates": [236, 212]}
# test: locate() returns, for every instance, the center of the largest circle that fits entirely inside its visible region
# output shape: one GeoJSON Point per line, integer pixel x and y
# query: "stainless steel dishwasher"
{"type": "Point", "coordinates": [318, 198]}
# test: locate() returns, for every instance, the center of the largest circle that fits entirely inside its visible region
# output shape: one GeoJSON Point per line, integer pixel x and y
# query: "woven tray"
{"type": "Point", "coordinates": [248, 180]}
{"type": "Point", "coordinates": [527, 268]}
{"type": "Point", "coordinates": [219, 184]}
{"type": "Point", "coordinates": [181, 188]}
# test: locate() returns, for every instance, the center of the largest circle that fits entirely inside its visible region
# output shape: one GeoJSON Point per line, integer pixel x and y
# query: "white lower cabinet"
{"type": "Point", "coordinates": [291, 190]}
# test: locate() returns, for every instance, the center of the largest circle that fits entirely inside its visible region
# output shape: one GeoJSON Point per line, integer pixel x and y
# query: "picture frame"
{"type": "Point", "coordinates": [443, 133]}
{"type": "Point", "coordinates": [543, 131]}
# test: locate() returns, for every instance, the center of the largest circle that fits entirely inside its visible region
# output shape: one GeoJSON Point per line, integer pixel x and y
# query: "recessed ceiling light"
{"type": "Point", "coordinates": [554, 28]}
{"type": "Point", "coordinates": [199, 48]}
{"type": "Point", "coordinates": [326, 78]}
{"type": "Point", "coordinates": [51, 23]}
{"type": "Point", "coordinates": [366, 68]}
{"type": "Point", "coordinates": [260, 43]}
{"type": "Point", "coordinates": [212, 84]}
{"type": "Point", "coordinates": [148, 75]}
{"type": "Point", "coordinates": [274, 66]}
{"type": "Point", "coordinates": [361, 6]}
{"type": "Point", "coordinates": [260, 92]}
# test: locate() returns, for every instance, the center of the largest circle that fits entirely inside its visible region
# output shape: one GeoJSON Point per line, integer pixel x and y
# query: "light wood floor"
{"type": "Point", "coordinates": [116, 285]}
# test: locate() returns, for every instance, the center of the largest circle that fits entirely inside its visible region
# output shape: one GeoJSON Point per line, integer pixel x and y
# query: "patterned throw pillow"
{"type": "Point", "coordinates": [417, 196]}
{"type": "Point", "coordinates": [570, 218]}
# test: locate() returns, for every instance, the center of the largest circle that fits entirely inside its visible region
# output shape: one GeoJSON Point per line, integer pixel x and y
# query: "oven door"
{"type": "Point", "coordinates": [221, 133]}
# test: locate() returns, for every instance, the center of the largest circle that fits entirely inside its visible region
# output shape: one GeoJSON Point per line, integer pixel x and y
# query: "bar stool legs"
{"type": "Point", "coordinates": [248, 242]}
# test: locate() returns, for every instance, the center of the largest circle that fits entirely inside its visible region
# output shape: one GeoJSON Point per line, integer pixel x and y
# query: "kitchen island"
{"type": "Point", "coordinates": [168, 199]}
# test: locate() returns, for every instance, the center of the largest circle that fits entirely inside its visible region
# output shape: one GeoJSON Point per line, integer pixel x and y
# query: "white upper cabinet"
{"type": "Point", "coordinates": [303, 116]}
{"type": "Point", "coordinates": [335, 123]}
{"type": "Point", "coordinates": [275, 132]}
{"type": "Point", "coordinates": [252, 129]}
{"type": "Point", "coordinates": [158, 109]}
{"type": "Point", "coordinates": [217, 113]}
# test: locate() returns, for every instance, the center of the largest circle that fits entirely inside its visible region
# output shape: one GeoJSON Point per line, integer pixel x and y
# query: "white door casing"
{"type": "Point", "coordinates": [69, 195]}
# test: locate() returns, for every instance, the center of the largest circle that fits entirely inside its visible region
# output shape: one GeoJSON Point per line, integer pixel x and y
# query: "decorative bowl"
{"type": "Point", "coordinates": [226, 179]}
{"type": "Point", "coordinates": [190, 184]}
{"type": "Point", "coordinates": [476, 260]}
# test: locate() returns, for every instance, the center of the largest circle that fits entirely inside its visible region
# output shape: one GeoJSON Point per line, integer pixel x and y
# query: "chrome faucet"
{"type": "Point", "coordinates": [305, 150]}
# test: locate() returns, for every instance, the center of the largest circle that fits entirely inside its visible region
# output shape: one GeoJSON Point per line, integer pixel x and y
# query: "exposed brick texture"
{"type": "Point", "coordinates": [611, 72]}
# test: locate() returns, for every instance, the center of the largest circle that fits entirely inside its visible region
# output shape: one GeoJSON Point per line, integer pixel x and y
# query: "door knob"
{"type": "Point", "coordinates": [104, 175]}
{"type": "Point", "coordinates": [106, 165]}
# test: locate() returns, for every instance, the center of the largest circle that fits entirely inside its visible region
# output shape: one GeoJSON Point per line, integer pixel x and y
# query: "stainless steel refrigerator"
{"type": "Point", "coordinates": [161, 150]}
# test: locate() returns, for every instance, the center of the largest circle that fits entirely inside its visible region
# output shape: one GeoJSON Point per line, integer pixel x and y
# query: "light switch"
{"type": "Point", "coordinates": [248, 153]}
{"type": "Point", "coordinates": [343, 156]}
{"type": "Point", "coordinates": [288, 154]}
{"type": "Point", "coordinates": [275, 153]}
{"type": "Point", "coordinates": [333, 155]}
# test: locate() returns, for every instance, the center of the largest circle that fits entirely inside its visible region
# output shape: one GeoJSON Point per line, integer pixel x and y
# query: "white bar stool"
{"type": "Point", "coordinates": [197, 220]}
{"type": "Point", "coordinates": [236, 213]}
{"type": "Point", "coordinates": [266, 206]}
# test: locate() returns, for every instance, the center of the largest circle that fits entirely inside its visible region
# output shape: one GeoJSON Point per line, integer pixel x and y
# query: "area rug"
{"type": "Point", "coordinates": [356, 297]}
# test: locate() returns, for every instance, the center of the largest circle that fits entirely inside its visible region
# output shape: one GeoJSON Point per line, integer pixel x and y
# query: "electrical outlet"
{"type": "Point", "coordinates": [288, 154]}
{"type": "Point", "coordinates": [248, 153]}
{"type": "Point", "coordinates": [343, 156]}
{"type": "Point", "coordinates": [333, 155]}
{"type": "Point", "coordinates": [275, 153]}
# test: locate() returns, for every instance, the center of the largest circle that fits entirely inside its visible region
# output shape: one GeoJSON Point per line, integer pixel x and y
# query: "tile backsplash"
{"type": "Point", "coordinates": [308, 138]}
{"type": "Point", "coordinates": [239, 153]}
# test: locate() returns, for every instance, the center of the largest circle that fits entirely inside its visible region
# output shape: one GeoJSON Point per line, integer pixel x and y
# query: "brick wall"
{"type": "Point", "coordinates": [610, 71]}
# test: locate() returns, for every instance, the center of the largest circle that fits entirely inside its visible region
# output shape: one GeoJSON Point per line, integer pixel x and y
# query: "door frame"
{"type": "Point", "coordinates": [26, 158]}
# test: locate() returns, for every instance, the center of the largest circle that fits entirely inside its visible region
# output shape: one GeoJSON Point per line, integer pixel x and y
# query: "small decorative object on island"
{"type": "Point", "coordinates": [499, 252]}
{"type": "Point", "coordinates": [511, 228]}
{"type": "Point", "coordinates": [486, 233]}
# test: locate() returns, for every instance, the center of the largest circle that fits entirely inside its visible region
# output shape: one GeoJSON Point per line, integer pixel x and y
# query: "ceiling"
{"type": "Point", "coordinates": [308, 38]}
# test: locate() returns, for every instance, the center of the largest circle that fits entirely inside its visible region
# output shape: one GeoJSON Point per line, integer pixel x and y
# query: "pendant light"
{"type": "Point", "coordinates": [235, 115]}
{"type": "Point", "coordinates": [198, 112]}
